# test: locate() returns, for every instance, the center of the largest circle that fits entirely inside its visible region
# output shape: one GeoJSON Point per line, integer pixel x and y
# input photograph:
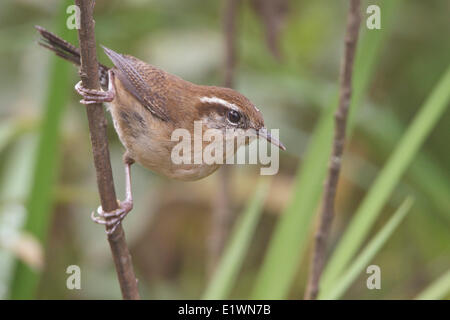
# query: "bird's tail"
{"type": "Point", "coordinates": [67, 51]}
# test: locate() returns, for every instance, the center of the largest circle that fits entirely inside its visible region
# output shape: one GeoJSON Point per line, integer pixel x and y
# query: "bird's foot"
{"type": "Point", "coordinates": [114, 218]}
{"type": "Point", "coordinates": [91, 96]}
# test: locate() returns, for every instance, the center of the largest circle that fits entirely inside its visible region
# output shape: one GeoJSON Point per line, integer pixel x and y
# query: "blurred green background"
{"type": "Point", "coordinates": [398, 149]}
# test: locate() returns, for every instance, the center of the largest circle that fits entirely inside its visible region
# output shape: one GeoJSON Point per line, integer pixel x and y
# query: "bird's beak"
{"type": "Point", "coordinates": [266, 135]}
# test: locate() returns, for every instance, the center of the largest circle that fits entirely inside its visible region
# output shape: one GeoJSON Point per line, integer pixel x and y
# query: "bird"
{"type": "Point", "coordinates": [148, 105]}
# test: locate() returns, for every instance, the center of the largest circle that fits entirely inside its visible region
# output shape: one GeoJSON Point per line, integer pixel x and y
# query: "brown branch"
{"type": "Point", "coordinates": [222, 214]}
{"type": "Point", "coordinates": [334, 166]}
{"type": "Point", "coordinates": [273, 14]}
{"type": "Point", "coordinates": [230, 16]}
{"type": "Point", "coordinates": [97, 126]}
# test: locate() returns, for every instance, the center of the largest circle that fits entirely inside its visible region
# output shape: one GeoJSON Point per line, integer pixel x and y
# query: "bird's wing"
{"type": "Point", "coordinates": [143, 81]}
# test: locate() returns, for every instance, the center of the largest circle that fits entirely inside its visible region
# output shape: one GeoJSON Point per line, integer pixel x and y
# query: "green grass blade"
{"type": "Point", "coordinates": [13, 129]}
{"type": "Point", "coordinates": [369, 252]}
{"type": "Point", "coordinates": [427, 175]}
{"type": "Point", "coordinates": [232, 259]}
{"type": "Point", "coordinates": [438, 289]}
{"type": "Point", "coordinates": [13, 191]}
{"type": "Point", "coordinates": [8, 129]}
{"type": "Point", "coordinates": [291, 233]}
{"type": "Point", "coordinates": [404, 153]}
{"type": "Point", "coordinates": [39, 204]}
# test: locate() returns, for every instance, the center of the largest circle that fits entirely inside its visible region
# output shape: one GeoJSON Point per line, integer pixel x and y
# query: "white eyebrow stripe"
{"type": "Point", "coordinates": [219, 101]}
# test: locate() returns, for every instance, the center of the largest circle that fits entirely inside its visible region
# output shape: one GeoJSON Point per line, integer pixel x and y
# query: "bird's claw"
{"type": "Point", "coordinates": [114, 218]}
{"type": "Point", "coordinates": [91, 96]}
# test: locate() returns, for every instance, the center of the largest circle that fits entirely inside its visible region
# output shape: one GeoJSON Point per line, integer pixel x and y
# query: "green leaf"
{"type": "Point", "coordinates": [430, 178]}
{"type": "Point", "coordinates": [386, 181]}
{"type": "Point", "coordinates": [369, 252]}
{"type": "Point", "coordinates": [12, 129]}
{"type": "Point", "coordinates": [233, 257]}
{"type": "Point", "coordinates": [13, 191]}
{"type": "Point", "coordinates": [437, 290]}
{"type": "Point", "coordinates": [291, 233]}
{"type": "Point", "coordinates": [39, 204]}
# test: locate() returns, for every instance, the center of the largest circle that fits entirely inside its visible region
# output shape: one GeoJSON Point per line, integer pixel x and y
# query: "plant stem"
{"type": "Point", "coordinates": [222, 213]}
{"type": "Point", "coordinates": [334, 167]}
{"type": "Point", "coordinates": [97, 126]}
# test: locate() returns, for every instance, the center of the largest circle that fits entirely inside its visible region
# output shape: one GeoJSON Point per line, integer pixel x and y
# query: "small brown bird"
{"type": "Point", "coordinates": [147, 104]}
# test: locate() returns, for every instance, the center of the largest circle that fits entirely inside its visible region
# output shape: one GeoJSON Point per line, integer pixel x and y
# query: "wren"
{"type": "Point", "coordinates": [147, 104]}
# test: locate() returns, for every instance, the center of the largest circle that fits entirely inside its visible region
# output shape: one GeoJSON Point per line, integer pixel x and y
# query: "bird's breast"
{"type": "Point", "coordinates": [149, 142]}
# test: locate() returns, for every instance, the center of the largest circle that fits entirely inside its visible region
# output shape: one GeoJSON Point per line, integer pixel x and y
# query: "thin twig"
{"type": "Point", "coordinates": [334, 166]}
{"type": "Point", "coordinates": [97, 126]}
{"type": "Point", "coordinates": [230, 17]}
{"type": "Point", "coordinates": [272, 14]}
{"type": "Point", "coordinates": [222, 214]}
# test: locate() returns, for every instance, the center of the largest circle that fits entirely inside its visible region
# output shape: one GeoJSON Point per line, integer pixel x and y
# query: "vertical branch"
{"type": "Point", "coordinates": [330, 185]}
{"type": "Point", "coordinates": [222, 214]}
{"type": "Point", "coordinates": [97, 126]}
{"type": "Point", "coordinates": [229, 26]}
{"type": "Point", "coordinates": [272, 14]}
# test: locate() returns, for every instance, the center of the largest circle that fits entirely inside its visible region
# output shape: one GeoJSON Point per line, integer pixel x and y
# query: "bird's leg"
{"type": "Point", "coordinates": [91, 96]}
{"type": "Point", "coordinates": [114, 218]}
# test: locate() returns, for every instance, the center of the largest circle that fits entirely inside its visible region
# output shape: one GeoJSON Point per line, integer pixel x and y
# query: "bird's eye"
{"type": "Point", "coordinates": [233, 116]}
